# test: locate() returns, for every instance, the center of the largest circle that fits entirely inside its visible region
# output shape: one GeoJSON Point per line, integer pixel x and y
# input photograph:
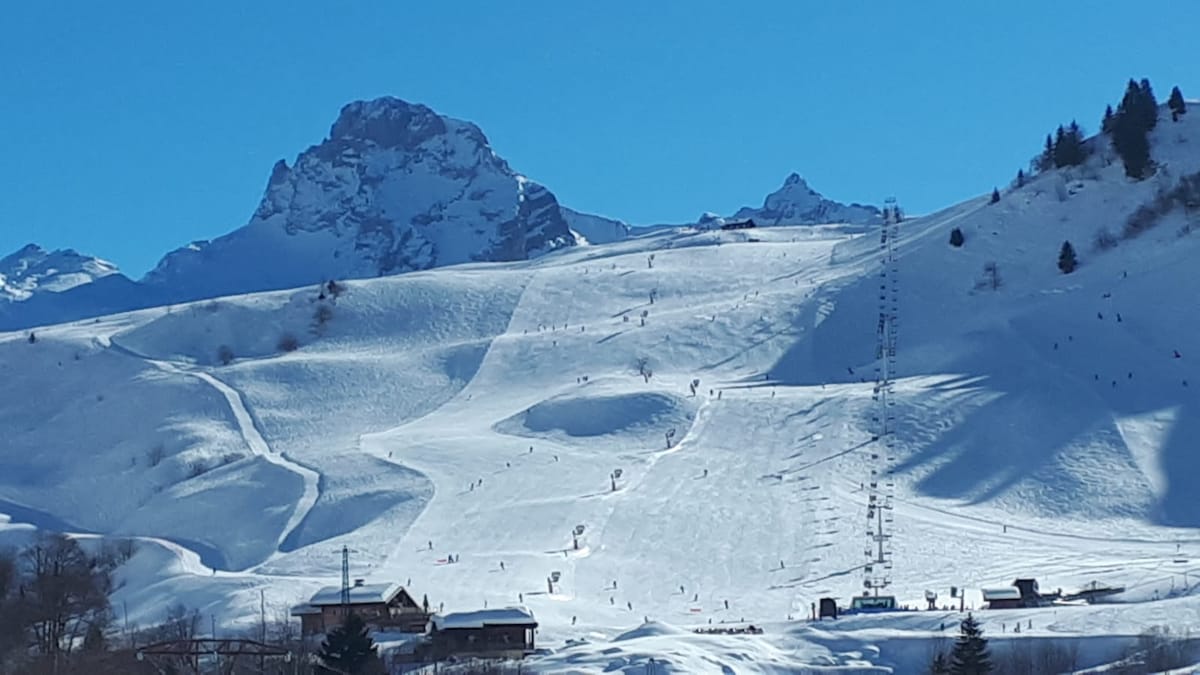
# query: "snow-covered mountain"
{"type": "Point", "coordinates": [395, 188]}
{"type": "Point", "coordinates": [1045, 427]}
{"type": "Point", "coordinates": [795, 203]}
{"type": "Point", "coordinates": [33, 270]}
{"type": "Point", "coordinates": [596, 229]}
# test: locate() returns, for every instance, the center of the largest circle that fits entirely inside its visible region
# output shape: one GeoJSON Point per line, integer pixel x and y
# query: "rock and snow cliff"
{"type": "Point", "coordinates": [798, 204]}
{"type": "Point", "coordinates": [394, 188]}
{"type": "Point", "coordinates": [33, 270]}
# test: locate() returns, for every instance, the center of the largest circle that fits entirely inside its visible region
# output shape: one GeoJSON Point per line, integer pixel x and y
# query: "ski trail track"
{"type": "Point", "coordinates": [247, 428]}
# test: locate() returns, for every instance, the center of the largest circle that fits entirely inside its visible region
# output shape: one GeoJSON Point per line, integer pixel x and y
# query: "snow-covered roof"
{"type": "Point", "coordinates": [359, 595]}
{"type": "Point", "coordinates": [300, 610]}
{"type": "Point", "coordinates": [504, 616]}
{"type": "Point", "coordinates": [1002, 593]}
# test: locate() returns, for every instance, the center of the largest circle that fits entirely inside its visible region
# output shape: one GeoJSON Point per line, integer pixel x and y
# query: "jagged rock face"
{"type": "Point", "coordinates": [596, 229]}
{"type": "Point", "coordinates": [798, 204]}
{"type": "Point", "coordinates": [395, 188]}
{"type": "Point", "coordinates": [32, 269]}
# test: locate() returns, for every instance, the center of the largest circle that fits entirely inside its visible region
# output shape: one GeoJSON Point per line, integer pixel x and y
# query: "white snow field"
{"type": "Point", "coordinates": [1046, 429]}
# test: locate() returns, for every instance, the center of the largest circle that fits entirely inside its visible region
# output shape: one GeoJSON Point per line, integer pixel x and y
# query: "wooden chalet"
{"type": "Point", "coordinates": [1022, 593]}
{"type": "Point", "coordinates": [505, 633]}
{"type": "Point", "coordinates": [381, 606]}
{"type": "Point", "coordinates": [1004, 597]}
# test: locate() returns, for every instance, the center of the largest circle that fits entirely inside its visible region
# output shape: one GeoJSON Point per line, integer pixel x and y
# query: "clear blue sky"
{"type": "Point", "coordinates": [131, 128]}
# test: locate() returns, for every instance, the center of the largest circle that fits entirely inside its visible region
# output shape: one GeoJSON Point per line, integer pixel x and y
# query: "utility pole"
{"type": "Point", "coordinates": [345, 578]}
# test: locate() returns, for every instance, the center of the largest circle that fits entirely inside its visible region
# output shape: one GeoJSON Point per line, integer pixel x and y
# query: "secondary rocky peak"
{"type": "Point", "coordinates": [32, 269]}
{"type": "Point", "coordinates": [796, 203]}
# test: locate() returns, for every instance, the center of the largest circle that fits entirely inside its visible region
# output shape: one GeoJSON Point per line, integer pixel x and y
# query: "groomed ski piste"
{"type": "Point", "coordinates": [1045, 429]}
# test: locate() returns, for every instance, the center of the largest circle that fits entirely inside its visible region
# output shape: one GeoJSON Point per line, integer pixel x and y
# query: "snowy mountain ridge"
{"type": "Point", "coordinates": [795, 203]}
{"type": "Point", "coordinates": [394, 188]}
{"type": "Point", "coordinates": [32, 270]}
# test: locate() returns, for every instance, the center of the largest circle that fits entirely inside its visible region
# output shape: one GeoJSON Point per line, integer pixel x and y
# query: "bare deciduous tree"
{"type": "Point", "coordinates": [64, 592]}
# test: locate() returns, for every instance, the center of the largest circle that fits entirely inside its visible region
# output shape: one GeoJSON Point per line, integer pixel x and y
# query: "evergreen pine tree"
{"type": "Point", "coordinates": [1106, 125]}
{"type": "Point", "coordinates": [995, 196]}
{"type": "Point", "coordinates": [970, 654]}
{"type": "Point", "coordinates": [1130, 125]}
{"type": "Point", "coordinates": [1130, 107]}
{"type": "Point", "coordinates": [1078, 151]}
{"type": "Point", "coordinates": [1046, 159]}
{"type": "Point", "coordinates": [1129, 139]}
{"type": "Point", "coordinates": [1176, 104]}
{"type": "Point", "coordinates": [1020, 178]}
{"type": "Point", "coordinates": [1067, 261]}
{"type": "Point", "coordinates": [956, 237]}
{"type": "Point", "coordinates": [940, 665]}
{"type": "Point", "coordinates": [1060, 136]}
{"type": "Point", "coordinates": [1149, 105]}
{"type": "Point", "coordinates": [348, 648]}
{"type": "Point", "coordinates": [1068, 146]}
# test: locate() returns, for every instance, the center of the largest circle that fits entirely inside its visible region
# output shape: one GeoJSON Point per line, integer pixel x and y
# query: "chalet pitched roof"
{"type": "Point", "coordinates": [301, 610]}
{"type": "Point", "coordinates": [1001, 593]}
{"type": "Point", "coordinates": [366, 594]}
{"type": "Point", "coordinates": [505, 616]}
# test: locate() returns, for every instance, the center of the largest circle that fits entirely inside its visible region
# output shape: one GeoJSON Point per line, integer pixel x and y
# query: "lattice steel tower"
{"type": "Point", "coordinates": [881, 484]}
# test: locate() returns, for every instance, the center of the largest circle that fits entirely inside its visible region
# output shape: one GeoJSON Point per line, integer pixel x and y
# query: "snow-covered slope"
{"type": "Point", "coordinates": [33, 270]}
{"type": "Point", "coordinates": [394, 188]}
{"type": "Point", "coordinates": [1045, 428]}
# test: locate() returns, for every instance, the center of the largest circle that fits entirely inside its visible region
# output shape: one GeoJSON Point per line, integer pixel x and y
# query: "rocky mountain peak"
{"type": "Point", "coordinates": [395, 187]}
{"type": "Point", "coordinates": [32, 269]}
{"type": "Point", "coordinates": [796, 203]}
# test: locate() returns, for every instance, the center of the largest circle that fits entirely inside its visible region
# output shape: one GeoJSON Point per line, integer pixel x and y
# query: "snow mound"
{"type": "Point", "coordinates": [643, 414]}
{"type": "Point", "coordinates": [650, 629]}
